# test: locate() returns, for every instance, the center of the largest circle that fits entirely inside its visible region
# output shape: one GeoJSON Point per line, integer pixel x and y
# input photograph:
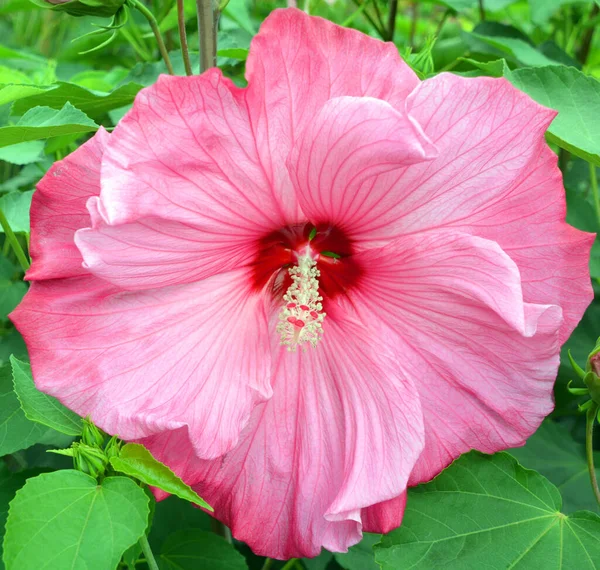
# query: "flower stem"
{"type": "Point", "coordinates": [14, 242]}
{"type": "Point", "coordinates": [267, 564]}
{"type": "Point", "coordinates": [183, 37]}
{"type": "Point", "coordinates": [481, 10]}
{"type": "Point", "coordinates": [290, 564]}
{"type": "Point", "coordinates": [207, 33]}
{"type": "Point", "coordinates": [154, 25]}
{"type": "Point", "coordinates": [595, 193]}
{"type": "Point", "coordinates": [589, 449]}
{"type": "Point", "coordinates": [392, 20]}
{"type": "Point", "coordinates": [150, 560]}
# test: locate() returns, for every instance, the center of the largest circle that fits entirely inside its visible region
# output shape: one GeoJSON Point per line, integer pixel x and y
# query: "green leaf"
{"type": "Point", "coordinates": [10, 93]}
{"type": "Point", "coordinates": [169, 22]}
{"type": "Point", "coordinates": [15, 206]}
{"type": "Point", "coordinates": [237, 10]}
{"type": "Point", "coordinates": [543, 10]}
{"type": "Point", "coordinates": [40, 407]}
{"type": "Point", "coordinates": [552, 451]}
{"type": "Point", "coordinates": [22, 153]}
{"type": "Point", "coordinates": [45, 122]}
{"type": "Point", "coordinates": [360, 556]}
{"type": "Point", "coordinates": [66, 519]}
{"type": "Point", "coordinates": [193, 549]}
{"type": "Point", "coordinates": [91, 103]}
{"type": "Point", "coordinates": [135, 460]}
{"type": "Point", "coordinates": [575, 96]}
{"type": "Point", "coordinates": [11, 293]}
{"type": "Point", "coordinates": [16, 431]}
{"type": "Point", "coordinates": [489, 512]}
{"type": "Point", "coordinates": [518, 49]}
{"type": "Point", "coordinates": [320, 562]}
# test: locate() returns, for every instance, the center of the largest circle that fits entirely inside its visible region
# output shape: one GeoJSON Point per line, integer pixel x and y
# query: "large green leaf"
{"type": "Point", "coordinates": [45, 122]}
{"type": "Point", "coordinates": [360, 556]}
{"type": "Point", "coordinates": [15, 206]}
{"type": "Point", "coordinates": [135, 460]}
{"type": "Point", "coordinates": [489, 512]}
{"type": "Point", "coordinates": [552, 451]}
{"type": "Point", "coordinates": [575, 96]}
{"type": "Point", "coordinates": [515, 48]}
{"type": "Point", "coordinates": [40, 407]}
{"type": "Point", "coordinates": [66, 519]}
{"type": "Point", "coordinates": [16, 431]}
{"type": "Point", "coordinates": [194, 549]}
{"type": "Point", "coordinates": [92, 103]}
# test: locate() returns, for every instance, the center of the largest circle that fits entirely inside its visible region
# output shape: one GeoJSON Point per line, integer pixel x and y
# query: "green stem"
{"type": "Point", "coordinates": [481, 10]}
{"type": "Point", "coordinates": [290, 564]}
{"type": "Point", "coordinates": [150, 560]}
{"type": "Point", "coordinates": [267, 564]}
{"type": "Point", "coordinates": [14, 242]}
{"type": "Point", "coordinates": [595, 194]}
{"type": "Point", "coordinates": [589, 449]}
{"type": "Point", "coordinates": [154, 25]}
{"type": "Point", "coordinates": [392, 20]}
{"type": "Point", "coordinates": [183, 38]}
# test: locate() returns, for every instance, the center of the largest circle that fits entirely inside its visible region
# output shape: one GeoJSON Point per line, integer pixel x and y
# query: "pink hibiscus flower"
{"type": "Point", "coordinates": [307, 294]}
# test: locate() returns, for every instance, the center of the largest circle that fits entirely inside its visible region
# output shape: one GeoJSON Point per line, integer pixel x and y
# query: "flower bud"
{"type": "Point", "coordinates": [113, 447]}
{"type": "Point", "coordinates": [100, 8]}
{"type": "Point", "coordinates": [91, 435]}
{"type": "Point", "coordinates": [90, 460]}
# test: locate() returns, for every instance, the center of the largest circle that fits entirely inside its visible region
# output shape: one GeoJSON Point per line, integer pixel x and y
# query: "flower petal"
{"type": "Point", "coordinates": [341, 433]}
{"type": "Point", "coordinates": [58, 210]}
{"type": "Point", "coordinates": [187, 152]}
{"type": "Point", "coordinates": [194, 356]}
{"type": "Point", "coordinates": [384, 517]}
{"type": "Point", "coordinates": [347, 145]}
{"type": "Point", "coordinates": [157, 252]}
{"type": "Point", "coordinates": [296, 64]}
{"type": "Point", "coordinates": [486, 361]}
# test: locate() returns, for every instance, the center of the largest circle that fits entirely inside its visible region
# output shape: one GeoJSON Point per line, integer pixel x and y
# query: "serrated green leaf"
{"type": "Point", "coordinates": [552, 451]}
{"type": "Point", "coordinates": [575, 96]}
{"type": "Point", "coordinates": [16, 431]}
{"type": "Point", "coordinates": [15, 206]}
{"type": "Point", "coordinates": [489, 512]}
{"type": "Point", "coordinates": [40, 407]}
{"type": "Point", "coordinates": [361, 556]}
{"type": "Point", "coordinates": [66, 519]}
{"type": "Point", "coordinates": [45, 122]}
{"type": "Point", "coordinates": [193, 549]}
{"type": "Point", "coordinates": [91, 103]}
{"type": "Point", "coordinates": [135, 460]}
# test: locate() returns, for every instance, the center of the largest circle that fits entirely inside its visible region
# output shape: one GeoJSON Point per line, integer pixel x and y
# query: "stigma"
{"type": "Point", "coordinates": [301, 316]}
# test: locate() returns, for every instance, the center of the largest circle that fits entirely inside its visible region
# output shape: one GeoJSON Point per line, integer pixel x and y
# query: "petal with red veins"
{"type": "Point", "coordinates": [187, 152]}
{"type": "Point", "coordinates": [58, 210]}
{"type": "Point", "coordinates": [529, 224]}
{"type": "Point", "coordinates": [384, 517]}
{"type": "Point", "coordinates": [486, 361]}
{"type": "Point", "coordinates": [156, 252]}
{"type": "Point", "coordinates": [341, 433]}
{"type": "Point", "coordinates": [295, 65]}
{"type": "Point", "coordinates": [349, 143]}
{"type": "Point", "coordinates": [195, 356]}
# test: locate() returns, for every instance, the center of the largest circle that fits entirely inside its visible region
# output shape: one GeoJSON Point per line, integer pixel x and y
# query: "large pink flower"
{"type": "Point", "coordinates": [309, 293]}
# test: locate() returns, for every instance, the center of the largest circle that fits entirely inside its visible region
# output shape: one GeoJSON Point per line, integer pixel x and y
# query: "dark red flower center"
{"type": "Point", "coordinates": [332, 250]}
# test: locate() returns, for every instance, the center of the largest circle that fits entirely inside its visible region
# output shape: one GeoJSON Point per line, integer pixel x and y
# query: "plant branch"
{"type": "Point", "coordinates": [392, 20]}
{"type": "Point", "coordinates": [414, 8]}
{"type": "Point", "coordinates": [150, 560]}
{"type": "Point", "coordinates": [14, 242]}
{"type": "Point", "coordinates": [366, 14]}
{"type": "Point", "coordinates": [185, 54]}
{"type": "Point", "coordinates": [154, 25]}
{"type": "Point", "coordinates": [481, 10]}
{"type": "Point", "coordinates": [290, 564]}
{"type": "Point", "coordinates": [207, 31]}
{"type": "Point", "coordinates": [589, 448]}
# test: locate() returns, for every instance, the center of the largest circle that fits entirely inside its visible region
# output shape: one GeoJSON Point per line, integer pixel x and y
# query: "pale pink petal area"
{"type": "Point", "coordinates": [187, 152]}
{"type": "Point", "coordinates": [156, 252]}
{"type": "Point", "coordinates": [341, 433]}
{"type": "Point", "coordinates": [58, 210]}
{"type": "Point", "coordinates": [529, 224]}
{"type": "Point", "coordinates": [195, 357]}
{"type": "Point", "coordinates": [348, 144]}
{"type": "Point", "coordinates": [296, 64]}
{"type": "Point", "coordinates": [384, 517]}
{"type": "Point", "coordinates": [485, 360]}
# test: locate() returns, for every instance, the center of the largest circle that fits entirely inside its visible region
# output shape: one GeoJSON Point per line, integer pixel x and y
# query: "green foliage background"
{"type": "Point", "coordinates": [482, 512]}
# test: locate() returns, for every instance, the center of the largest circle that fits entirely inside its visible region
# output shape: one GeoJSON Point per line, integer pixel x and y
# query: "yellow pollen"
{"type": "Point", "coordinates": [302, 313]}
